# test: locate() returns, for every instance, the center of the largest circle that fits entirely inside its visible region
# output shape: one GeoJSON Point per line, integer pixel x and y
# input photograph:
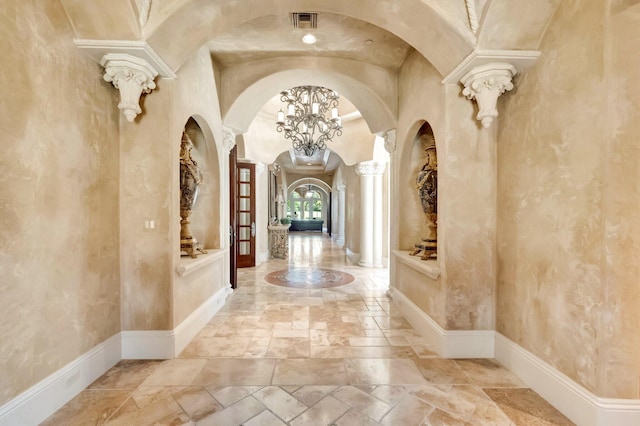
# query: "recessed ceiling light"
{"type": "Point", "coordinates": [309, 39]}
{"type": "Point", "coordinates": [368, 42]}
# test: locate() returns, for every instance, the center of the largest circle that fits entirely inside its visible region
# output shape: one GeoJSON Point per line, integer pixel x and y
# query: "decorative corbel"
{"type": "Point", "coordinates": [390, 141]}
{"type": "Point", "coordinates": [229, 139]}
{"type": "Point", "coordinates": [485, 84]}
{"type": "Point", "coordinates": [132, 76]}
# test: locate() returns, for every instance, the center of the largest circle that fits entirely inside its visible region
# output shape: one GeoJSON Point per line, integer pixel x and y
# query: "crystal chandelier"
{"type": "Point", "coordinates": [307, 122]}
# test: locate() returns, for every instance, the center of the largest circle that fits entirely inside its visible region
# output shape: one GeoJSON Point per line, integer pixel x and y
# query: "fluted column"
{"type": "Point", "coordinates": [341, 213]}
{"type": "Point", "coordinates": [370, 212]}
{"type": "Point", "coordinates": [377, 218]}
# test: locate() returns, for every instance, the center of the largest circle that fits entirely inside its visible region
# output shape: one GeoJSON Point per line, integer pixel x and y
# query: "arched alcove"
{"type": "Point", "coordinates": [205, 218]}
{"type": "Point", "coordinates": [413, 223]}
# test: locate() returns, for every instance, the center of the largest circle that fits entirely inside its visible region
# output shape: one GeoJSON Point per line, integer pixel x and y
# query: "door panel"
{"type": "Point", "coordinates": [246, 216]}
{"type": "Point", "coordinates": [233, 244]}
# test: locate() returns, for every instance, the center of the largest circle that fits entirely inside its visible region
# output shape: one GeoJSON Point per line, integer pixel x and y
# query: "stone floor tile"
{"type": "Point", "coordinates": [266, 418]}
{"type": "Point", "coordinates": [324, 412]}
{"type": "Point", "coordinates": [374, 408]}
{"type": "Point", "coordinates": [229, 395]}
{"type": "Point", "coordinates": [234, 415]}
{"type": "Point", "coordinates": [288, 347]}
{"type": "Point", "coordinates": [310, 395]}
{"type": "Point", "coordinates": [127, 374]}
{"type": "Point", "coordinates": [391, 394]}
{"type": "Point", "coordinates": [383, 371]}
{"type": "Point", "coordinates": [525, 407]}
{"type": "Point", "coordinates": [233, 371]}
{"type": "Point", "coordinates": [485, 413]}
{"type": "Point", "coordinates": [197, 402]}
{"type": "Point", "coordinates": [88, 407]}
{"type": "Point", "coordinates": [175, 372]}
{"type": "Point", "coordinates": [280, 402]}
{"type": "Point", "coordinates": [310, 372]}
{"type": "Point", "coordinates": [409, 412]}
{"type": "Point", "coordinates": [487, 373]}
{"type": "Point", "coordinates": [161, 412]}
{"type": "Point", "coordinates": [354, 418]}
{"type": "Point", "coordinates": [442, 371]}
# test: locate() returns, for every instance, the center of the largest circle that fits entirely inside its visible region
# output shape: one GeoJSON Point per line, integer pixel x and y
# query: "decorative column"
{"type": "Point", "coordinates": [132, 76]}
{"type": "Point", "coordinates": [377, 217]}
{"type": "Point", "coordinates": [485, 84]}
{"type": "Point", "coordinates": [370, 212]}
{"type": "Point", "coordinates": [341, 213]}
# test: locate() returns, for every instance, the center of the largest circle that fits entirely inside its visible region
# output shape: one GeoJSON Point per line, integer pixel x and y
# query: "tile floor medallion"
{"type": "Point", "coordinates": [309, 278]}
{"type": "Point", "coordinates": [281, 355]}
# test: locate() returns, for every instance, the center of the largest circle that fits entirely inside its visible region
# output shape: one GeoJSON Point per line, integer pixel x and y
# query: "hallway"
{"type": "Point", "coordinates": [276, 355]}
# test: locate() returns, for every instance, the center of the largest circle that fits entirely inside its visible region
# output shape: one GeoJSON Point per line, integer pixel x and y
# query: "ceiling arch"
{"type": "Point", "coordinates": [315, 182]}
{"type": "Point", "coordinates": [248, 86]}
{"type": "Point", "coordinates": [423, 24]}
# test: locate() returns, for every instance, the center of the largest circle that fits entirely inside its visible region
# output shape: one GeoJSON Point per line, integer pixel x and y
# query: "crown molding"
{"type": "Point", "coordinates": [520, 59]}
{"type": "Point", "coordinates": [97, 49]}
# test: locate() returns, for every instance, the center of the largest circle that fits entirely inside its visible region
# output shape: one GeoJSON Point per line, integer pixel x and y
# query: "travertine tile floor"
{"type": "Point", "coordinates": [282, 356]}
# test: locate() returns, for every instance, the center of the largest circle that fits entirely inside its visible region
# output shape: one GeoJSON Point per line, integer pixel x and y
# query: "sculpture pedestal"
{"type": "Point", "coordinates": [279, 236]}
{"type": "Point", "coordinates": [428, 247]}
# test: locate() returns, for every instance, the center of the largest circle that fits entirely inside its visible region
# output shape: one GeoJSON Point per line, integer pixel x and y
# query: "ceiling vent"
{"type": "Point", "coordinates": [304, 20]}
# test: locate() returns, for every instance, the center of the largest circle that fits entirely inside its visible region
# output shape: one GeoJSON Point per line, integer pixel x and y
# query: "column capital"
{"type": "Point", "coordinates": [390, 141]}
{"type": "Point", "coordinates": [341, 188]}
{"type": "Point", "coordinates": [132, 76]}
{"type": "Point", "coordinates": [485, 84]}
{"type": "Point", "coordinates": [370, 168]}
{"type": "Point", "coordinates": [229, 140]}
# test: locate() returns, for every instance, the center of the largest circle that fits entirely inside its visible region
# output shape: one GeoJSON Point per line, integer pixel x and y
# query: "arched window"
{"type": "Point", "coordinates": [304, 203]}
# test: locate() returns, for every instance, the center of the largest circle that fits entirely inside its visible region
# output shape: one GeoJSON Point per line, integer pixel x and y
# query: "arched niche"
{"type": "Point", "coordinates": [412, 225]}
{"type": "Point", "coordinates": [206, 215]}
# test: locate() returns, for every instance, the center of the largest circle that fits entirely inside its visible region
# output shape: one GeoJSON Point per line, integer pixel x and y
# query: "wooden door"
{"type": "Point", "coordinates": [246, 217]}
{"type": "Point", "coordinates": [233, 245]}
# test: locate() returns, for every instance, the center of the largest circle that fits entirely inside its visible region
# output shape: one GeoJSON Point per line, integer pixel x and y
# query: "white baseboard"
{"type": "Point", "coordinates": [191, 326]}
{"type": "Point", "coordinates": [447, 343]}
{"type": "Point", "coordinates": [40, 401]}
{"type": "Point", "coordinates": [166, 344]}
{"type": "Point", "coordinates": [43, 399]}
{"type": "Point", "coordinates": [354, 258]}
{"type": "Point", "coordinates": [147, 344]}
{"type": "Point", "coordinates": [578, 404]}
{"type": "Point", "coordinates": [262, 257]}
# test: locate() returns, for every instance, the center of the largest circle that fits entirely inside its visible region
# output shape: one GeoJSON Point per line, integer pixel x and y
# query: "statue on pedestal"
{"type": "Point", "coordinates": [190, 179]}
{"type": "Point", "coordinates": [427, 185]}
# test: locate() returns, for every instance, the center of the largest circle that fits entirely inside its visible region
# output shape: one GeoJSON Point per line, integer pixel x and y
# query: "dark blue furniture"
{"type": "Point", "coordinates": [306, 225]}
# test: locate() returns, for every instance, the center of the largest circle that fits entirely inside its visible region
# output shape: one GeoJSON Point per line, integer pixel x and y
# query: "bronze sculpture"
{"type": "Point", "coordinates": [190, 179]}
{"type": "Point", "coordinates": [427, 185]}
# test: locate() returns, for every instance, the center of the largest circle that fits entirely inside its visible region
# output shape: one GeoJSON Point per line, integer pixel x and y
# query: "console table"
{"type": "Point", "coordinates": [306, 225]}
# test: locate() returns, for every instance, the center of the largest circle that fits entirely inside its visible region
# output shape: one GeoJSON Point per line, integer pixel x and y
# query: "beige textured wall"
{"type": "Point", "coordinates": [194, 94]}
{"type": "Point", "coordinates": [568, 201]}
{"type": "Point", "coordinates": [466, 196]}
{"type": "Point", "coordinates": [59, 285]}
{"type": "Point", "coordinates": [147, 164]}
